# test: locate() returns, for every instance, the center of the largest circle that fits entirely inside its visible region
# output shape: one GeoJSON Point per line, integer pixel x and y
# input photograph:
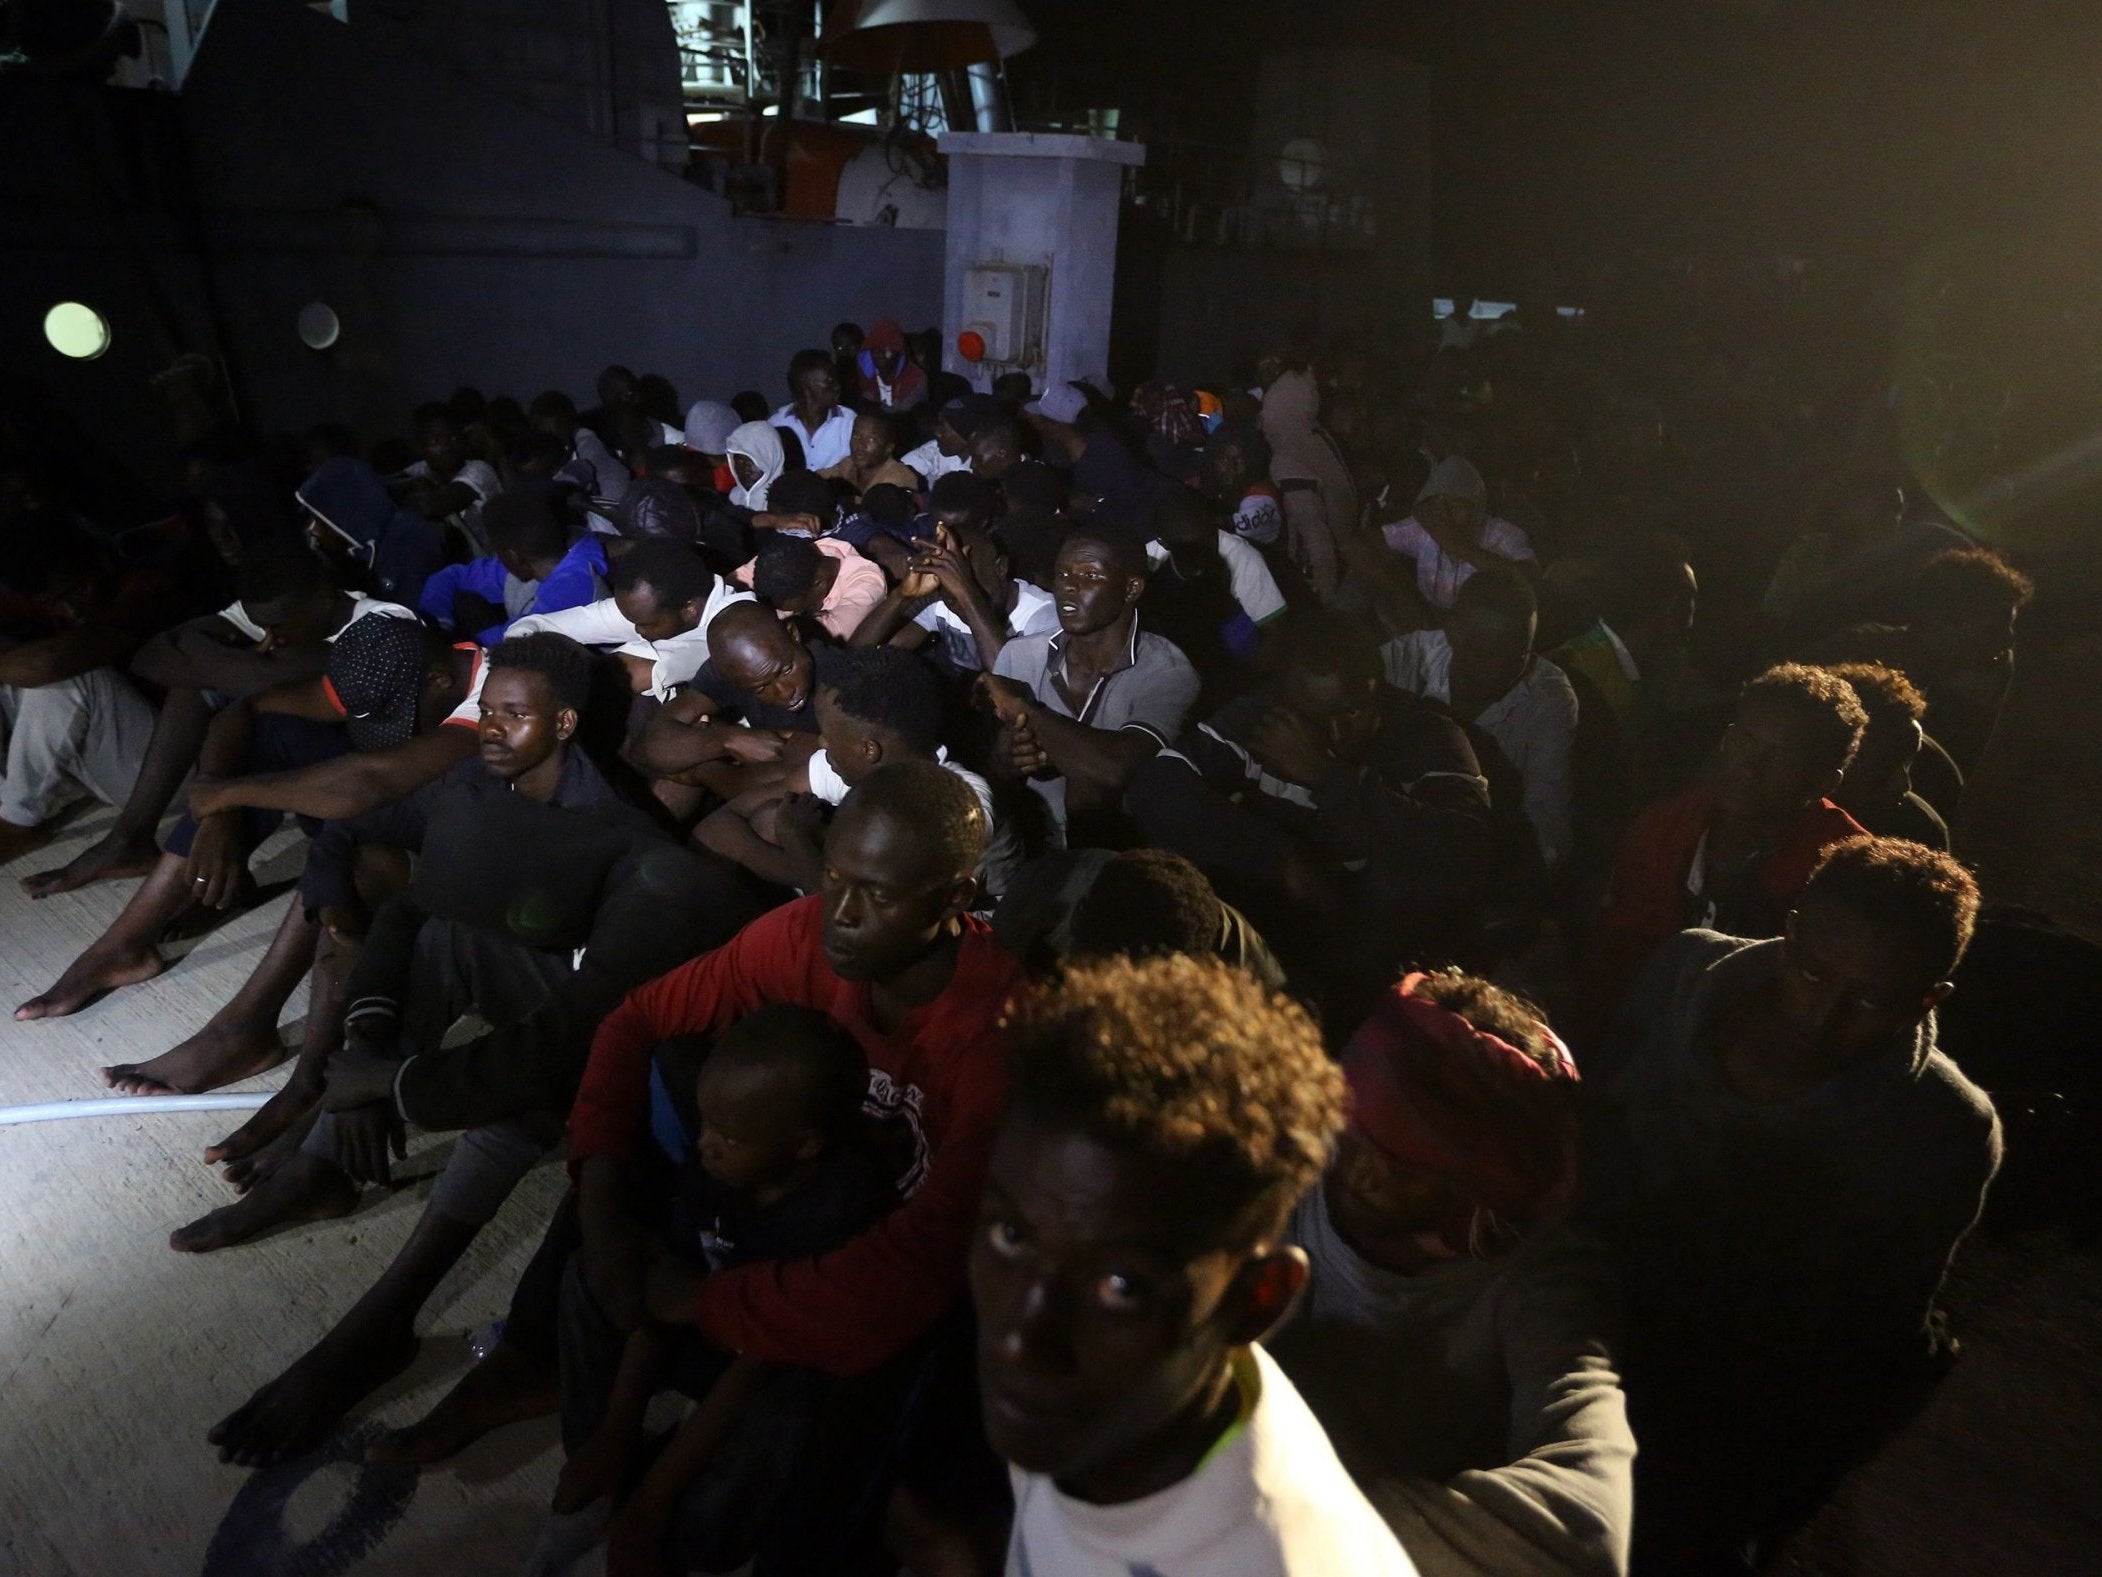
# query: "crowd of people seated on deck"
{"type": "Point", "coordinates": [1238, 976]}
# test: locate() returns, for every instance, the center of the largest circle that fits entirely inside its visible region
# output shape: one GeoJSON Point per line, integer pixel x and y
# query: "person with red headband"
{"type": "Point", "coordinates": [1456, 1339]}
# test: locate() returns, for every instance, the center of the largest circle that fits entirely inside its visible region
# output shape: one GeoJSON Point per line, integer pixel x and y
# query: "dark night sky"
{"type": "Point", "coordinates": [1849, 130]}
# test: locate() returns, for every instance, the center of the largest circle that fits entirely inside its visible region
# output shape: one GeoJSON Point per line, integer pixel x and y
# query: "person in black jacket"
{"type": "Point", "coordinates": [539, 901]}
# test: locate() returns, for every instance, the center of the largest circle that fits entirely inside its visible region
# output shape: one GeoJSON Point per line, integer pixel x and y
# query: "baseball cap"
{"type": "Point", "coordinates": [967, 413]}
{"type": "Point", "coordinates": [375, 673]}
{"type": "Point", "coordinates": [1064, 402]}
{"type": "Point", "coordinates": [885, 335]}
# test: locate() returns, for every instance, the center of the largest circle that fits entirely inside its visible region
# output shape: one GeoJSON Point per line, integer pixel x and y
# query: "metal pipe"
{"type": "Point", "coordinates": [128, 1105]}
{"type": "Point", "coordinates": [989, 97]}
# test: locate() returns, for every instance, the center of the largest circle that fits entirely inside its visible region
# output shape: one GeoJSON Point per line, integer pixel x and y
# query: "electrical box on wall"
{"type": "Point", "coordinates": [1004, 304]}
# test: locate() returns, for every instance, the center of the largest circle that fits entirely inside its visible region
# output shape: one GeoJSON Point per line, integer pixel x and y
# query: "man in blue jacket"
{"type": "Point", "coordinates": [532, 567]}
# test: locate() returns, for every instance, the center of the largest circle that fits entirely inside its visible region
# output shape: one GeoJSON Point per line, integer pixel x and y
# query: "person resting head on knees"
{"type": "Point", "coordinates": [825, 583]}
{"type": "Point", "coordinates": [532, 567]}
{"type": "Point", "coordinates": [744, 718]}
{"type": "Point", "coordinates": [662, 588]}
{"type": "Point", "coordinates": [1164, 1116]}
{"type": "Point", "coordinates": [803, 501]}
{"type": "Point", "coordinates": [1877, 789]}
{"type": "Point", "coordinates": [664, 599]}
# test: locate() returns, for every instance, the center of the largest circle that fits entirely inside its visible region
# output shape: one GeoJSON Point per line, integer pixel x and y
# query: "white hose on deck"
{"type": "Point", "coordinates": [128, 1105]}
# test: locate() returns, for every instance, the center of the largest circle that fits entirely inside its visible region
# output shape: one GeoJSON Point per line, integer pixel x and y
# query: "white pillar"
{"type": "Point", "coordinates": [1032, 251]}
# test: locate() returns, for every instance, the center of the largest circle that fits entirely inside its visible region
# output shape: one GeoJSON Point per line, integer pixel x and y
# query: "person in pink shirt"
{"type": "Point", "coordinates": [822, 579]}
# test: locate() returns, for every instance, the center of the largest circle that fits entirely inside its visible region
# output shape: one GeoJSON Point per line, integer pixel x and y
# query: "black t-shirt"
{"type": "Point", "coordinates": [733, 704]}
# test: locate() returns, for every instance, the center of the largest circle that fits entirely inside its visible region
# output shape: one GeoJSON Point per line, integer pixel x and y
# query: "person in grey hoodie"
{"type": "Point", "coordinates": [1787, 1163]}
{"type": "Point", "coordinates": [1457, 1339]}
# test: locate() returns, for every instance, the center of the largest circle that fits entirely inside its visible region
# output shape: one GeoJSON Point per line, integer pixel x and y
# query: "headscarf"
{"type": "Point", "coordinates": [1300, 451]}
{"type": "Point", "coordinates": [1169, 411]}
{"type": "Point", "coordinates": [760, 444]}
{"type": "Point", "coordinates": [1494, 1126]}
{"type": "Point", "coordinates": [709, 424]}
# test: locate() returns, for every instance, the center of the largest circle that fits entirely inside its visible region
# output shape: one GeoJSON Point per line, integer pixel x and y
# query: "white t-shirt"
{"type": "Point", "coordinates": [830, 444]}
{"type": "Point", "coordinates": [1270, 1500]}
{"type": "Point", "coordinates": [468, 713]}
{"type": "Point", "coordinates": [479, 475]}
{"type": "Point", "coordinates": [1035, 613]}
{"type": "Point", "coordinates": [1254, 587]}
{"type": "Point", "coordinates": [1439, 576]}
{"type": "Point", "coordinates": [601, 623]}
{"type": "Point", "coordinates": [931, 463]}
{"type": "Point", "coordinates": [1534, 725]}
{"type": "Point", "coordinates": [360, 606]}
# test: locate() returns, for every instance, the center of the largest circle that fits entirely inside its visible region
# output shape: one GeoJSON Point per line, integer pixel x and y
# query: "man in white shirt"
{"type": "Point", "coordinates": [664, 598]}
{"type": "Point", "coordinates": [813, 412]}
{"type": "Point", "coordinates": [450, 485]}
{"type": "Point", "coordinates": [591, 464]}
{"type": "Point", "coordinates": [1165, 1114]}
{"type": "Point", "coordinates": [1483, 666]}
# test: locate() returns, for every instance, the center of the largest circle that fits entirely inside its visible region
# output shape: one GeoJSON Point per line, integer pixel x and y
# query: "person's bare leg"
{"type": "Point", "coordinates": [241, 1039]}
{"type": "Point", "coordinates": [123, 955]}
{"type": "Point", "coordinates": [252, 1151]}
{"type": "Point", "coordinates": [300, 1189]}
{"type": "Point", "coordinates": [508, 1386]}
{"type": "Point", "coordinates": [256, 1148]}
{"type": "Point", "coordinates": [371, 1344]}
{"type": "Point", "coordinates": [128, 849]}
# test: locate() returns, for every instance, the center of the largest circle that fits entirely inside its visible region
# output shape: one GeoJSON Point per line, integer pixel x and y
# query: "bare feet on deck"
{"type": "Point", "coordinates": [262, 1144]}
{"type": "Point", "coordinates": [109, 858]}
{"type": "Point", "coordinates": [304, 1402]}
{"type": "Point", "coordinates": [100, 969]}
{"type": "Point", "coordinates": [507, 1387]}
{"type": "Point", "coordinates": [220, 1053]}
{"type": "Point", "coordinates": [302, 1188]}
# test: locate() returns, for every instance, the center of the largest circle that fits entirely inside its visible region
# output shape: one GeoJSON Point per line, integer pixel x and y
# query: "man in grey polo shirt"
{"type": "Point", "coordinates": [1084, 708]}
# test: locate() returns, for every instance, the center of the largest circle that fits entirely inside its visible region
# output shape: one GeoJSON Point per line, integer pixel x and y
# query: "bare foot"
{"type": "Point", "coordinates": [109, 858]}
{"type": "Point", "coordinates": [304, 1188]}
{"type": "Point", "coordinates": [507, 1387]}
{"type": "Point", "coordinates": [100, 969]}
{"type": "Point", "coordinates": [17, 840]}
{"type": "Point", "coordinates": [220, 1053]}
{"type": "Point", "coordinates": [332, 1377]}
{"type": "Point", "coordinates": [260, 1145]}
